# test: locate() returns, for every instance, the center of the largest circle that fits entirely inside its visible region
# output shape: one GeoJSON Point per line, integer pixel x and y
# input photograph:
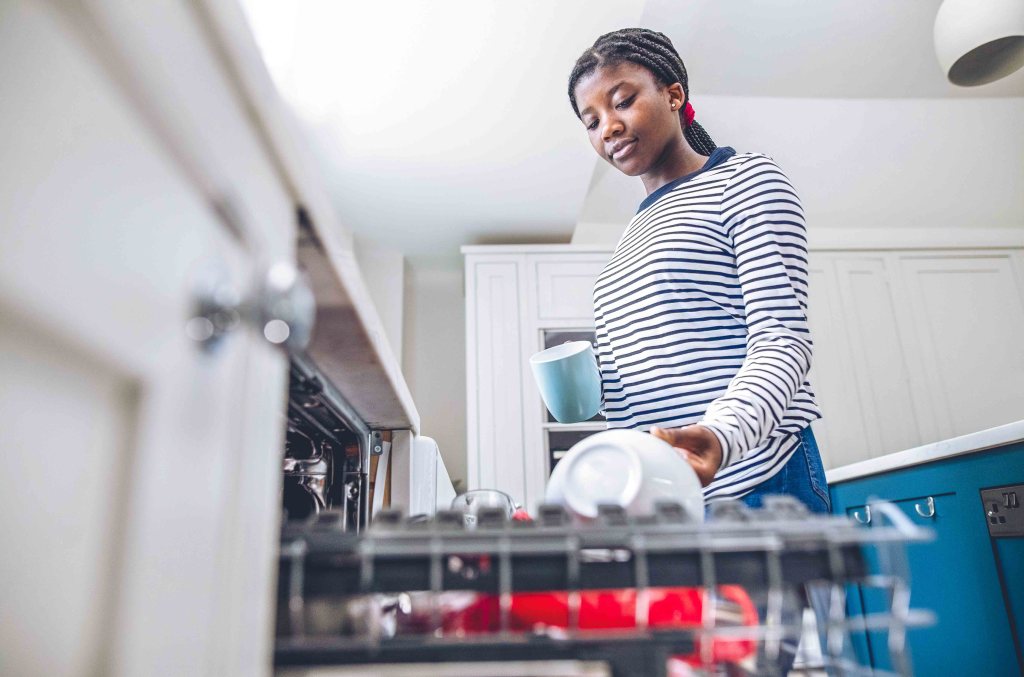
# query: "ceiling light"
{"type": "Point", "coordinates": [979, 41]}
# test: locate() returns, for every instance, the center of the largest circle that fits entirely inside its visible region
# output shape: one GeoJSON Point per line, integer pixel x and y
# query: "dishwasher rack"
{"type": "Point", "coordinates": [339, 593]}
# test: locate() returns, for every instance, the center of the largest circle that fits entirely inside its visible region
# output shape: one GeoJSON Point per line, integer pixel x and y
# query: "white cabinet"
{"type": "Point", "coordinates": [860, 370]}
{"type": "Point", "coordinates": [139, 474]}
{"type": "Point", "coordinates": [912, 345]}
{"type": "Point", "coordinates": [514, 295]}
{"type": "Point", "coordinates": [495, 387]}
{"type": "Point", "coordinates": [565, 289]}
{"type": "Point", "coordinates": [871, 318]}
{"type": "Point", "coordinates": [842, 435]}
{"type": "Point", "coordinates": [147, 158]}
{"type": "Point", "coordinates": [968, 315]}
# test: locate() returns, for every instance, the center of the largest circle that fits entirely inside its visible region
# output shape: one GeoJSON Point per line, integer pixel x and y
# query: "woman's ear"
{"type": "Point", "coordinates": [676, 96]}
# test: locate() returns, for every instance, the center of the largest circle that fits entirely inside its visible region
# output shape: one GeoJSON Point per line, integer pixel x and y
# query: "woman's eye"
{"type": "Point", "coordinates": [625, 104]}
{"type": "Point", "coordinates": [592, 124]}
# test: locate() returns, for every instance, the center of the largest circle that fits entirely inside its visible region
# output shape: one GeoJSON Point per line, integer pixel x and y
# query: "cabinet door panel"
{"type": "Point", "coordinates": [881, 378]}
{"type": "Point", "coordinates": [496, 455]}
{"type": "Point", "coordinates": [842, 429]}
{"type": "Point", "coordinates": [167, 55]}
{"type": "Point", "coordinates": [138, 470]}
{"type": "Point", "coordinates": [968, 316]}
{"type": "Point", "coordinates": [565, 289]}
{"type": "Point", "coordinates": [962, 605]}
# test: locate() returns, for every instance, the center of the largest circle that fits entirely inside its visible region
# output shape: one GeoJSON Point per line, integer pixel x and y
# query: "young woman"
{"type": "Point", "coordinates": [701, 313]}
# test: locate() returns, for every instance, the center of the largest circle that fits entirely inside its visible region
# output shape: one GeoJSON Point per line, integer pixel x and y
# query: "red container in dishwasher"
{"type": "Point", "coordinates": [675, 607]}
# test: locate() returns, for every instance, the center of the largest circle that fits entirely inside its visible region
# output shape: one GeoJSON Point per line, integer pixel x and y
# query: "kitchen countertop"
{"type": "Point", "coordinates": [956, 446]}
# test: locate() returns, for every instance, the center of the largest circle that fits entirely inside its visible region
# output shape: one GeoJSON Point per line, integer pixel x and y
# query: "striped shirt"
{"type": "Point", "coordinates": [701, 316]}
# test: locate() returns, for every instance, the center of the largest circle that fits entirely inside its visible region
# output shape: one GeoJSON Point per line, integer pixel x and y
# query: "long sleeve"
{"type": "Point", "coordinates": [764, 221]}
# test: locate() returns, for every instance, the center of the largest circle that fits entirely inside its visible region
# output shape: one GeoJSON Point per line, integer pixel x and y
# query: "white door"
{"type": "Point", "coordinates": [892, 420]}
{"type": "Point", "coordinates": [841, 430]}
{"type": "Point", "coordinates": [139, 474]}
{"type": "Point", "coordinates": [967, 316]}
{"type": "Point", "coordinates": [494, 374]}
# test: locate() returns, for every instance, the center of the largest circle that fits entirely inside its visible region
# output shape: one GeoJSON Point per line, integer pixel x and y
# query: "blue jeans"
{"type": "Point", "coordinates": [802, 477]}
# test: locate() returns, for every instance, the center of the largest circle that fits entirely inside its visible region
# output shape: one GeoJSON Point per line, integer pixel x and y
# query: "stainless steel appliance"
{"type": "Point", "coordinates": [327, 452]}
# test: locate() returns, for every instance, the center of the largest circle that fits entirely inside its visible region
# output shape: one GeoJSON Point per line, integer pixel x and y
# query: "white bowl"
{"type": "Point", "coordinates": [628, 468]}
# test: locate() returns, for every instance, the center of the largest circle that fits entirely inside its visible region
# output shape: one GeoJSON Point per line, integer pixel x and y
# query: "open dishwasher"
{"type": "Point", "coordinates": [657, 595]}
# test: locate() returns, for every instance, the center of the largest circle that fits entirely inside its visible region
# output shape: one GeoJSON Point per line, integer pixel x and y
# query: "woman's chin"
{"type": "Point", "coordinates": [628, 167]}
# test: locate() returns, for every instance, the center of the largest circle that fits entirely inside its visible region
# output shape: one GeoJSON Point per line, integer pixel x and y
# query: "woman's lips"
{"type": "Point", "coordinates": [623, 151]}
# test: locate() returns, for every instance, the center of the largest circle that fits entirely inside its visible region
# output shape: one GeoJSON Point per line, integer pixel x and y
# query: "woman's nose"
{"type": "Point", "coordinates": [612, 127]}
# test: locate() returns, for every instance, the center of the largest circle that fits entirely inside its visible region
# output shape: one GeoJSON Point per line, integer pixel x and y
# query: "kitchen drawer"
{"type": "Point", "coordinates": [565, 289]}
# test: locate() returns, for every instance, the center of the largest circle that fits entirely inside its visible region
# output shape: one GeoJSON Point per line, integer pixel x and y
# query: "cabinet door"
{"type": "Point", "coordinates": [952, 576]}
{"type": "Point", "coordinates": [855, 606]}
{"type": "Point", "coordinates": [881, 382]}
{"type": "Point", "coordinates": [565, 285]}
{"type": "Point", "coordinates": [138, 471]}
{"type": "Point", "coordinates": [967, 316]}
{"type": "Point", "coordinates": [495, 374]}
{"type": "Point", "coordinates": [842, 429]}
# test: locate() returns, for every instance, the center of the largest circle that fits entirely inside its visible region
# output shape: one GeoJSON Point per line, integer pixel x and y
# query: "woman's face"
{"type": "Point", "coordinates": [632, 121]}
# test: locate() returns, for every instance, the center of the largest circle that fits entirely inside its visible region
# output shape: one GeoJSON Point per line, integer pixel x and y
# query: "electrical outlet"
{"type": "Point", "coordinates": [1003, 512]}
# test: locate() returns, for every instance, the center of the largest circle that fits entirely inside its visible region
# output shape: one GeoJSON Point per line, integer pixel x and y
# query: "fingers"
{"type": "Point", "coordinates": [674, 436]}
{"type": "Point", "coordinates": [702, 468]}
{"type": "Point", "coordinates": [705, 472]}
{"type": "Point", "coordinates": [661, 434]}
{"type": "Point", "coordinates": [687, 437]}
{"type": "Point", "coordinates": [693, 445]}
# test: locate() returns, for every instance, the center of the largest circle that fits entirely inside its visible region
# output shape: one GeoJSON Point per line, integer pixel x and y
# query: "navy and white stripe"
{"type": "Point", "coordinates": [701, 316]}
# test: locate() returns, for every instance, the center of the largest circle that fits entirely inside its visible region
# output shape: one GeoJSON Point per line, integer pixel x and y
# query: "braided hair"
{"type": "Point", "coordinates": [653, 51]}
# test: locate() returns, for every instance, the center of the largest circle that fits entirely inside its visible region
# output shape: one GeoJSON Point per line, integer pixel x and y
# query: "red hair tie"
{"type": "Point", "coordinates": [688, 112]}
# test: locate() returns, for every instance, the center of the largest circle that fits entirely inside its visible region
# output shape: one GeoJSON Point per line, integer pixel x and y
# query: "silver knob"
{"type": "Point", "coordinates": [285, 309]}
{"type": "Point", "coordinates": [216, 308]}
{"type": "Point", "coordinates": [281, 307]}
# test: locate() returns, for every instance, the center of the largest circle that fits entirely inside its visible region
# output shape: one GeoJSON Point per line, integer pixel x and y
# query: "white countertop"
{"type": "Point", "coordinates": [956, 446]}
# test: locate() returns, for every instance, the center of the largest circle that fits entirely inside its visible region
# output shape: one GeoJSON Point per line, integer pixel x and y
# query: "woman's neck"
{"type": "Point", "coordinates": [678, 161]}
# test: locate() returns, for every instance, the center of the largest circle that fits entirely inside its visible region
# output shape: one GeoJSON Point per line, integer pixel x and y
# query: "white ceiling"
{"type": "Point", "coordinates": [446, 123]}
{"type": "Point", "coordinates": [850, 49]}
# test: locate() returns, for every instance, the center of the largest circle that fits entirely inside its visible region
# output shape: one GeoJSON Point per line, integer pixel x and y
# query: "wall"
{"type": "Point", "coordinates": [880, 163]}
{"type": "Point", "coordinates": [383, 271]}
{"type": "Point", "coordinates": [435, 356]}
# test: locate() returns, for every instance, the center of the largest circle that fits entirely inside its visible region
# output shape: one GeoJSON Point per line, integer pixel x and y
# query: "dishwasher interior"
{"type": "Point", "coordinates": [621, 595]}
{"type": "Point", "coordinates": [327, 452]}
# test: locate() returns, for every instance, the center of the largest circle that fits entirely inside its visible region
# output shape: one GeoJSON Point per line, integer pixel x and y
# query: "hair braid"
{"type": "Point", "coordinates": [651, 50]}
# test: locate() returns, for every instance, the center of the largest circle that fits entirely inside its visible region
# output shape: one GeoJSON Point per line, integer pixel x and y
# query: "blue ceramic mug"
{"type": "Point", "coordinates": [569, 381]}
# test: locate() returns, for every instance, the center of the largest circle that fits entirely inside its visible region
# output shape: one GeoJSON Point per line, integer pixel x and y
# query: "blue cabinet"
{"type": "Point", "coordinates": [956, 575]}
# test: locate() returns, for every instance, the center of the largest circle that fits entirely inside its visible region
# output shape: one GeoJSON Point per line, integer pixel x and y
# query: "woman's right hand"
{"type": "Point", "coordinates": [698, 445]}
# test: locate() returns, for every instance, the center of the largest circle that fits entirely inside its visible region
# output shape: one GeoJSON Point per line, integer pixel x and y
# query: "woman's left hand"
{"type": "Point", "coordinates": [698, 445]}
